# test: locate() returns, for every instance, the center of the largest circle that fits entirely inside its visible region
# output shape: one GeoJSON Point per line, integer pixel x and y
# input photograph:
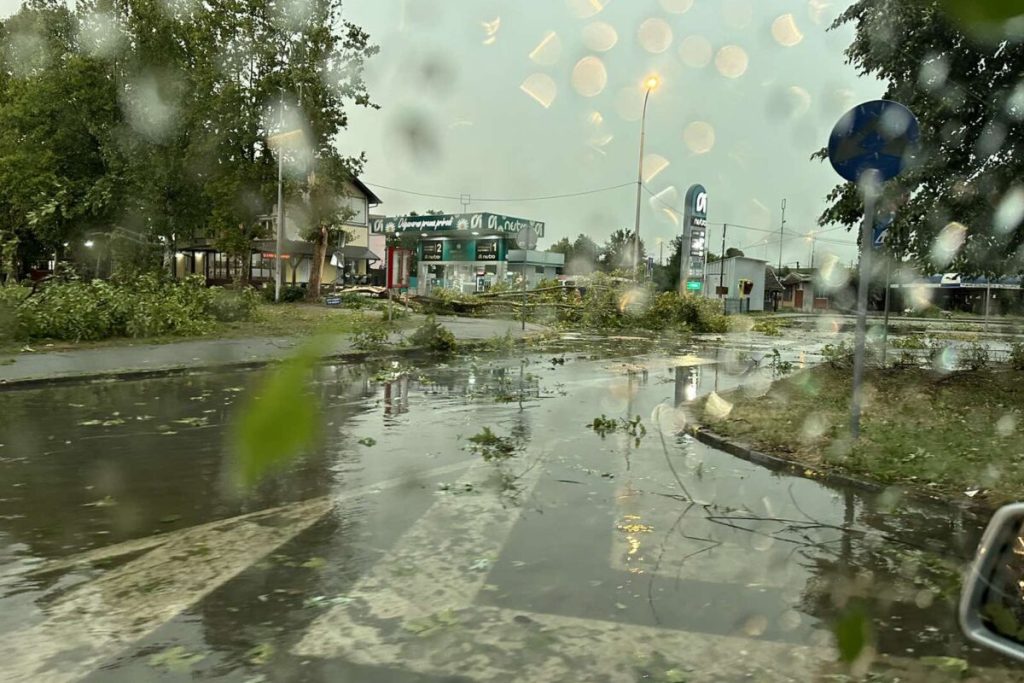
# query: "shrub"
{"type": "Point", "coordinates": [838, 356]}
{"type": "Point", "coordinates": [289, 293]}
{"type": "Point", "coordinates": [76, 310]}
{"type": "Point", "coordinates": [973, 357]}
{"type": "Point", "coordinates": [434, 336]}
{"type": "Point", "coordinates": [372, 334]}
{"type": "Point", "coordinates": [693, 312]}
{"type": "Point", "coordinates": [768, 327]}
{"type": "Point", "coordinates": [228, 305]}
{"type": "Point", "coordinates": [1016, 357]}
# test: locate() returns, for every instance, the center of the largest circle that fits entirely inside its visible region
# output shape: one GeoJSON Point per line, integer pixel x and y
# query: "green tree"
{"type": "Point", "coordinates": [966, 92]}
{"type": "Point", "coordinates": [618, 251]}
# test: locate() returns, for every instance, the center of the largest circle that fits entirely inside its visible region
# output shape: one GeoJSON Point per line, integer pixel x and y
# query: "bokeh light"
{"type": "Point", "coordinates": [653, 165]}
{"type": "Point", "coordinates": [491, 30]}
{"type": "Point", "coordinates": [695, 51]}
{"type": "Point", "coordinates": [548, 50]}
{"type": "Point", "coordinates": [948, 243]}
{"type": "Point", "coordinates": [1010, 211]}
{"type": "Point", "coordinates": [785, 31]}
{"type": "Point", "coordinates": [732, 61]}
{"type": "Point", "coordinates": [584, 9]}
{"type": "Point", "coordinates": [589, 76]}
{"type": "Point", "coordinates": [655, 35]}
{"type": "Point", "coordinates": [541, 88]}
{"type": "Point", "coordinates": [600, 36]}
{"type": "Point", "coordinates": [699, 136]}
{"type": "Point", "coordinates": [676, 6]}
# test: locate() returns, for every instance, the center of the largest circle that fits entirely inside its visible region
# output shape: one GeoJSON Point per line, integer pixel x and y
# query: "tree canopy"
{"type": "Point", "coordinates": [154, 116]}
{"type": "Point", "coordinates": [959, 206]}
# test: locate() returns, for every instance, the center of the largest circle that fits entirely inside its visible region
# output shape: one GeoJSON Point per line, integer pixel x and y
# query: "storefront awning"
{"type": "Point", "coordinates": [356, 254]}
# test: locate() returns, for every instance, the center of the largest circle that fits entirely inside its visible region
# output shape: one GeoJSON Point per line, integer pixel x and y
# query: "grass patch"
{"type": "Point", "coordinates": [946, 433]}
{"type": "Point", "coordinates": [271, 320]}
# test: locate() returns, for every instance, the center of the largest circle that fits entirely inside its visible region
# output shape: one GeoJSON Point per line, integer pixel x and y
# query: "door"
{"type": "Point", "coordinates": [798, 299]}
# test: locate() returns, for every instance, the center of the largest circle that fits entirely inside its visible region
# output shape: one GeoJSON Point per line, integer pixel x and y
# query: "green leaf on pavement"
{"type": "Point", "coordinates": [853, 631]}
{"type": "Point", "coordinates": [175, 659]}
{"type": "Point", "coordinates": [278, 419]}
{"type": "Point", "coordinates": [950, 664]}
{"type": "Point", "coordinates": [260, 654]}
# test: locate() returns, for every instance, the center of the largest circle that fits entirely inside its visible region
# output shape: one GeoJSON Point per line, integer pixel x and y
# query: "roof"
{"type": "Point", "coordinates": [356, 253]}
{"type": "Point", "coordinates": [371, 198]}
{"type": "Point", "coordinates": [771, 281]}
{"type": "Point", "coordinates": [795, 278]}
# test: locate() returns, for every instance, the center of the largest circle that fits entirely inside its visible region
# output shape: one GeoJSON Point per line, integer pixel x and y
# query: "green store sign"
{"type": "Point", "coordinates": [479, 222]}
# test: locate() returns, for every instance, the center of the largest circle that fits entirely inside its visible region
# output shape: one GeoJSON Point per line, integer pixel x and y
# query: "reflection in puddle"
{"type": "Point", "coordinates": [619, 548]}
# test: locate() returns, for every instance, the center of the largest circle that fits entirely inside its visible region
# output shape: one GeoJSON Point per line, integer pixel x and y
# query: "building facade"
{"type": "Point", "coordinates": [347, 262]}
{"type": "Point", "coordinates": [743, 280]}
{"type": "Point", "coordinates": [471, 252]}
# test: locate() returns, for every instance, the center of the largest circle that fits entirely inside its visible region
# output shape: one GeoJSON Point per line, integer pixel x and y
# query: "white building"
{"type": "Point", "coordinates": [743, 279]}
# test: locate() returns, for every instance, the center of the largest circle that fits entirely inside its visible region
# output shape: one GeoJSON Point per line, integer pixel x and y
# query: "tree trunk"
{"type": "Point", "coordinates": [316, 268]}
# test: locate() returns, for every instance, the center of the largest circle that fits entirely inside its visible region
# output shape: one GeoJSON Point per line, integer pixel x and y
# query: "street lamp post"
{"type": "Point", "coordinates": [650, 83]}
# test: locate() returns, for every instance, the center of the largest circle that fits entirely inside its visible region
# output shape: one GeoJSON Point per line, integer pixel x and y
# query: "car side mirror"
{"type": "Point", "coordinates": [992, 600]}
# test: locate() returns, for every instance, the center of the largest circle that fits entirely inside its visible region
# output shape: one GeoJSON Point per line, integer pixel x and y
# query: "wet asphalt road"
{"type": "Point", "coordinates": [393, 552]}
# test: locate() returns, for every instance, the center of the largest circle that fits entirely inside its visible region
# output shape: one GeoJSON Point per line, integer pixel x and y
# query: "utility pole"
{"type": "Point", "coordinates": [280, 212]}
{"type": "Point", "coordinates": [782, 232]}
{"type": "Point", "coordinates": [721, 263]}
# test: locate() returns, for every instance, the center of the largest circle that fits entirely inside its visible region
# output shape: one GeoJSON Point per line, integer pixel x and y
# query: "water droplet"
{"type": "Point", "coordinates": [924, 599]}
{"type": "Point", "coordinates": [948, 243]}
{"type": "Point", "coordinates": [695, 51]}
{"type": "Point", "coordinates": [716, 407]}
{"type": "Point", "coordinates": [670, 420]}
{"type": "Point", "coordinates": [786, 32]}
{"type": "Point", "coordinates": [655, 35]}
{"type": "Point", "coordinates": [1010, 212]}
{"type": "Point", "coordinates": [600, 36]}
{"type": "Point", "coordinates": [933, 73]}
{"type": "Point", "coordinates": [653, 165]}
{"type": "Point", "coordinates": [814, 427]}
{"type": "Point", "coordinates": [731, 61]}
{"type": "Point", "coordinates": [541, 88]}
{"type": "Point", "coordinates": [584, 9]}
{"type": "Point", "coordinates": [816, 10]}
{"type": "Point", "coordinates": [589, 76]}
{"type": "Point", "coordinates": [1006, 425]}
{"type": "Point", "coordinates": [790, 620]}
{"type": "Point", "coordinates": [699, 136]}
{"type": "Point", "coordinates": [676, 6]}
{"type": "Point", "coordinates": [548, 50]}
{"type": "Point", "coordinates": [755, 626]}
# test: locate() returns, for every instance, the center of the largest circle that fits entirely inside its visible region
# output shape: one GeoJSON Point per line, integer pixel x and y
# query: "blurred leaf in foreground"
{"type": "Point", "coordinates": [853, 633]}
{"type": "Point", "coordinates": [278, 419]}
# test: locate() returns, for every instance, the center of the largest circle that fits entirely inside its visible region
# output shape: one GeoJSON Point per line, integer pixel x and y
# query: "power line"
{"type": "Point", "coordinates": [505, 199]}
{"type": "Point", "coordinates": [748, 227]}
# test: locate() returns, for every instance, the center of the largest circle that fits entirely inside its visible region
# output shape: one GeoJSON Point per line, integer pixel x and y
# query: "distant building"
{"type": "Point", "coordinates": [742, 280]}
{"type": "Point", "coordinates": [471, 252]}
{"type": "Point", "coordinates": [348, 262]}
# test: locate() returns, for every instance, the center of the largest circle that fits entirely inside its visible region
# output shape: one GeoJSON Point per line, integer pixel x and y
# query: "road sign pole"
{"type": "Point", "coordinates": [869, 185]}
{"type": "Point", "coordinates": [885, 324]}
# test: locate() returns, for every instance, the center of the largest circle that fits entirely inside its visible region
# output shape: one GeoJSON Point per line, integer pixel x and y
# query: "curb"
{"type": "Point", "coordinates": [778, 463]}
{"type": "Point", "coordinates": [199, 369]}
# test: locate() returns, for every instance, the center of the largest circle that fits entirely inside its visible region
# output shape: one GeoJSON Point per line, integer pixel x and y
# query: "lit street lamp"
{"type": "Point", "coordinates": [650, 83]}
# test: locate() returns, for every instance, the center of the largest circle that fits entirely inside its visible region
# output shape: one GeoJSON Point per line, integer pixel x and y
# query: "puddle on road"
{"type": "Point", "coordinates": [606, 552]}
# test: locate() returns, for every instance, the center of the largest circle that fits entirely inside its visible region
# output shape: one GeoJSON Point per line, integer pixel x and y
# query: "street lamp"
{"type": "Point", "coordinates": [650, 84]}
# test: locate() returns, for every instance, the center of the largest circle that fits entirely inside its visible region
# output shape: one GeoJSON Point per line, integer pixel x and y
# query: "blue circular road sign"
{"type": "Point", "coordinates": [875, 136]}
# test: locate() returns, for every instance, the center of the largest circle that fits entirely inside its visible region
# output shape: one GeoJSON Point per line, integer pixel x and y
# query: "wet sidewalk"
{"type": "Point", "coordinates": [130, 360]}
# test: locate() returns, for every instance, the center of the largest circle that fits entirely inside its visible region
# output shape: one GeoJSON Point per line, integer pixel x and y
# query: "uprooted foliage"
{"type": "Point", "coordinates": [604, 303]}
{"type": "Point", "coordinates": [145, 306]}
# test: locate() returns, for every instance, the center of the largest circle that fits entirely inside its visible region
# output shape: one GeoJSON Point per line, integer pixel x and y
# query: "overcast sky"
{"type": "Point", "coordinates": [463, 86]}
{"type": "Point", "coordinates": [512, 100]}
